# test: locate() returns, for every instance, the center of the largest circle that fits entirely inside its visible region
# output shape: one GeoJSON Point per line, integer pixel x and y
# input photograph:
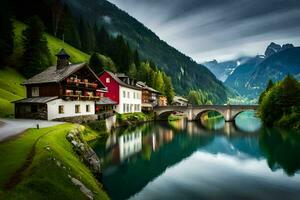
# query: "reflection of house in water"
{"type": "Point", "coordinates": [158, 138]}
{"type": "Point", "coordinates": [129, 144]}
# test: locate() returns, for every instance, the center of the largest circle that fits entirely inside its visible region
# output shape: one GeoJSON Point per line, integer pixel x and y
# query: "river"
{"type": "Point", "coordinates": [201, 160]}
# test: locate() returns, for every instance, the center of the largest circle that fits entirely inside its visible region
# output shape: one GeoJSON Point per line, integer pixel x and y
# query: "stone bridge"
{"type": "Point", "coordinates": [229, 112]}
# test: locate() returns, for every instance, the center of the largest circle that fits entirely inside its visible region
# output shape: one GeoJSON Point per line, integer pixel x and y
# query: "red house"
{"type": "Point", "coordinates": [123, 91]}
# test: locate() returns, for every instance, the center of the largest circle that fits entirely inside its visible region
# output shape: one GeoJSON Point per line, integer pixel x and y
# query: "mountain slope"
{"type": "Point", "coordinates": [276, 67]}
{"type": "Point", "coordinates": [238, 80]}
{"type": "Point", "coordinates": [224, 69]}
{"type": "Point", "coordinates": [186, 74]}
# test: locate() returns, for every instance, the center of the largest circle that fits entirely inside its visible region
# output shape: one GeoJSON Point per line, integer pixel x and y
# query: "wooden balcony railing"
{"type": "Point", "coordinates": [80, 97]}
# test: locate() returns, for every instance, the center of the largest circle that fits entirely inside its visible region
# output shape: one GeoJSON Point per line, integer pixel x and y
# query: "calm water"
{"type": "Point", "coordinates": [187, 160]}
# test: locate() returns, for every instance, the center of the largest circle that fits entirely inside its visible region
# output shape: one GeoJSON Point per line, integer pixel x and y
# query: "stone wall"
{"type": "Point", "coordinates": [24, 110]}
{"type": "Point", "coordinates": [78, 119]}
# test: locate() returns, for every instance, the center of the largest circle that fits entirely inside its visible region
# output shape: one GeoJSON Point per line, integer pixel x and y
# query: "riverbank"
{"type": "Point", "coordinates": [41, 164]}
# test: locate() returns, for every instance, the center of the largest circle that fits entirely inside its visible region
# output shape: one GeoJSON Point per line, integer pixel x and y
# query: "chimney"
{"type": "Point", "coordinates": [62, 59]}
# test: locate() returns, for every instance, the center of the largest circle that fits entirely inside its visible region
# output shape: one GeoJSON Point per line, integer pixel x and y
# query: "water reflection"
{"type": "Point", "coordinates": [184, 160]}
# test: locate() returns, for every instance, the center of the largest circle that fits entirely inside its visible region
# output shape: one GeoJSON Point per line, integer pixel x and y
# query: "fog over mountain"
{"type": "Point", "coordinates": [222, 30]}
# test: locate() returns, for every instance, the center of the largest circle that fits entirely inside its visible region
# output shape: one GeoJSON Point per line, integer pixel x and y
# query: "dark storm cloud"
{"type": "Point", "coordinates": [220, 29]}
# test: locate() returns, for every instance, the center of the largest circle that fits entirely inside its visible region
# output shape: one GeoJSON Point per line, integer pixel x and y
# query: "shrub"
{"type": "Point", "coordinates": [98, 125]}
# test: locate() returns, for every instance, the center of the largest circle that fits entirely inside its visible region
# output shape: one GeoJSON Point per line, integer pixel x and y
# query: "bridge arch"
{"type": "Point", "coordinates": [165, 114]}
{"type": "Point", "coordinates": [237, 113]}
{"type": "Point", "coordinates": [202, 112]}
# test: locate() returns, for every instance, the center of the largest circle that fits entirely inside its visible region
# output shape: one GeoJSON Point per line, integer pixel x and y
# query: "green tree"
{"type": "Point", "coordinates": [96, 64]}
{"type": "Point", "coordinates": [280, 102]}
{"type": "Point", "coordinates": [194, 98]}
{"type": "Point", "coordinates": [6, 35]}
{"type": "Point", "coordinates": [159, 81]}
{"type": "Point", "coordinates": [168, 88]}
{"type": "Point", "coordinates": [136, 58]}
{"type": "Point", "coordinates": [36, 56]}
{"type": "Point", "coordinates": [103, 41]}
{"type": "Point", "coordinates": [68, 28]}
{"type": "Point", "coordinates": [132, 71]}
{"type": "Point", "coordinates": [269, 86]}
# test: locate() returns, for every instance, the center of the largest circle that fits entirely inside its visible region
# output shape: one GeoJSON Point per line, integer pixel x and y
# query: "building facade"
{"type": "Point", "coordinates": [150, 96]}
{"type": "Point", "coordinates": [122, 90]}
{"type": "Point", "coordinates": [61, 91]}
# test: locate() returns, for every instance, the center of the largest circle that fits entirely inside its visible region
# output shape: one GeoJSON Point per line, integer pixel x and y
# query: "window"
{"type": "Point", "coordinates": [77, 108]}
{"type": "Point", "coordinates": [124, 94]}
{"type": "Point", "coordinates": [128, 95]}
{"type": "Point", "coordinates": [34, 108]}
{"type": "Point", "coordinates": [61, 110]}
{"type": "Point", "coordinates": [88, 109]}
{"type": "Point", "coordinates": [107, 80]}
{"type": "Point", "coordinates": [124, 107]}
{"type": "Point", "coordinates": [134, 95]}
{"type": "Point", "coordinates": [35, 91]}
{"type": "Point", "coordinates": [127, 107]}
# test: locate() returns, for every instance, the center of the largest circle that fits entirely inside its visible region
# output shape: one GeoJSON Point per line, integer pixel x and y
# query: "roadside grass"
{"type": "Point", "coordinates": [47, 177]}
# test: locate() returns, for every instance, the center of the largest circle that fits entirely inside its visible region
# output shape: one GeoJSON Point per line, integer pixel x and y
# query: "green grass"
{"type": "Point", "coordinates": [135, 117]}
{"type": "Point", "coordinates": [173, 117]}
{"type": "Point", "coordinates": [10, 90]}
{"type": "Point", "coordinates": [44, 179]}
{"type": "Point", "coordinates": [54, 45]}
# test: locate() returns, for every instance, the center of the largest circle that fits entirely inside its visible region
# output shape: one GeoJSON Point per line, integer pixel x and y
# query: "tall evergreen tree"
{"type": "Point", "coordinates": [68, 28]}
{"type": "Point", "coordinates": [87, 36]}
{"type": "Point", "coordinates": [6, 35]}
{"type": "Point", "coordinates": [136, 58]}
{"type": "Point", "coordinates": [263, 94]}
{"type": "Point", "coordinates": [168, 88]}
{"type": "Point", "coordinates": [36, 56]}
{"type": "Point", "coordinates": [103, 41]}
{"type": "Point", "coordinates": [96, 64]}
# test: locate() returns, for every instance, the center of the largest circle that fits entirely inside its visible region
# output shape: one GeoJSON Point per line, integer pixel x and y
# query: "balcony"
{"type": "Point", "coordinates": [78, 83]}
{"type": "Point", "coordinates": [80, 97]}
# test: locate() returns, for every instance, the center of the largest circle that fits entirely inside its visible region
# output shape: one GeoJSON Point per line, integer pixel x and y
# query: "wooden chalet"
{"type": "Point", "coordinates": [62, 91]}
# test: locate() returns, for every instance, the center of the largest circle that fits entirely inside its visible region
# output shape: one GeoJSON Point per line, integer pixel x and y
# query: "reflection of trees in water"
{"type": "Point", "coordinates": [282, 149]}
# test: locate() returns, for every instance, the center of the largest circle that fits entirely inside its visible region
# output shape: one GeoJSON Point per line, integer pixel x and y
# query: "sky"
{"type": "Point", "coordinates": [219, 29]}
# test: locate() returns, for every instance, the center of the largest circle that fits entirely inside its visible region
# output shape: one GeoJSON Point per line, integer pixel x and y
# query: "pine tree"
{"type": "Point", "coordinates": [87, 36]}
{"type": "Point", "coordinates": [132, 71]}
{"type": "Point", "coordinates": [103, 41]}
{"type": "Point", "coordinates": [96, 64]}
{"type": "Point", "coordinates": [263, 94]}
{"type": "Point", "coordinates": [68, 28]}
{"type": "Point", "coordinates": [6, 35]}
{"type": "Point", "coordinates": [36, 56]}
{"type": "Point", "coordinates": [136, 58]}
{"type": "Point", "coordinates": [168, 88]}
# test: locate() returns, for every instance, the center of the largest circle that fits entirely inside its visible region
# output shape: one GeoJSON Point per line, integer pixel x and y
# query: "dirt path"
{"type": "Point", "coordinates": [18, 176]}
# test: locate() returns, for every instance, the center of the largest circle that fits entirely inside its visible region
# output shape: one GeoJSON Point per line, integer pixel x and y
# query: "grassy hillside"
{"type": "Point", "coordinates": [54, 45]}
{"type": "Point", "coordinates": [10, 90]}
{"type": "Point", "coordinates": [32, 171]}
{"type": "Point", "coordinates": [10, 79]}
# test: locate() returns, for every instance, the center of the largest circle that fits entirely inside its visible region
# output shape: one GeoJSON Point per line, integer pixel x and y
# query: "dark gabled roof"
{"type": "Point", "coordinates": [146, 87]}
{"type": "Point", "coordinates": [36, 100]}
{"type": "Point", "coordinates": [119, 81]}
{"type": "Point", "coordinates": [106, 101]}
{"type": "Point", "coordinates": [54, 75]}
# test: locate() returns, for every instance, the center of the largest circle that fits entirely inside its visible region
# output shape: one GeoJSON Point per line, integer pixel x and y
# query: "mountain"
{"type": "Point", "coordinates": [224, 69]}
{"type": "Point", "coordinates": [238, 80]}
{"type": "Point", "coordinates": [275, 48]}
{"type": "Point", "coordinates": [250, 78]}
{"type": "Point", "coordinates": [186, 74]}
{"type": "Point", "coordinates": [276, 67]}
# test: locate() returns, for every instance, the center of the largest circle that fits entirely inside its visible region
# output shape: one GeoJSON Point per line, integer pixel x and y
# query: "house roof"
{"type": "Point", "coordinates": [54, 75]}
{"type": "Point", "coordinates": [39, 100]}
{"type": "Point", "coordinates": [179, 98]}
{"type": "Point", "coordinates": [146, 87]}
{"type": "Point", "coordinates": [120, 82]}
{"type": "Point", "coordinates": [106, 101]}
